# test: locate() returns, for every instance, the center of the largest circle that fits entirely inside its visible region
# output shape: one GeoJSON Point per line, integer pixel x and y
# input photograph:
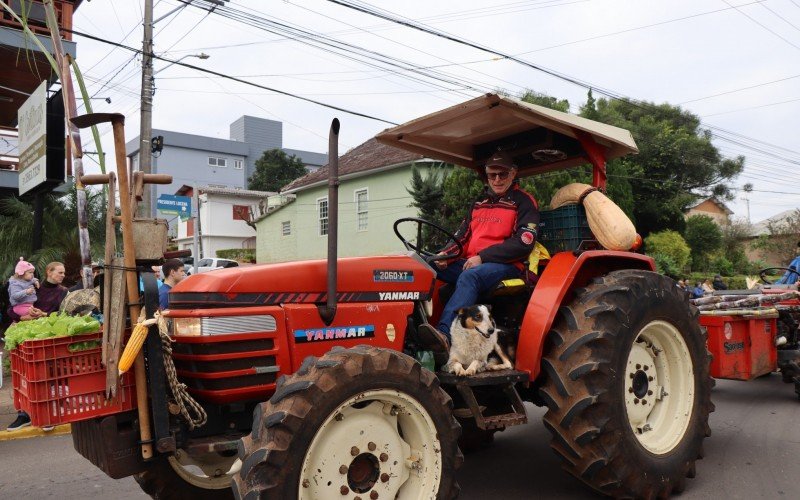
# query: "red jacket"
{"type": "Point", "coordinates": [500, 229]}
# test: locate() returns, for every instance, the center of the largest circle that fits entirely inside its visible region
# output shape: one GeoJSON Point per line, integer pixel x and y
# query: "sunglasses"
{"type": "Point", "coordinates": [498, 175]}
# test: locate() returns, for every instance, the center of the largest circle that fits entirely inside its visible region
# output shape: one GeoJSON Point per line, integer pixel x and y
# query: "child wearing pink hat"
{"type": "Point", "coordinates": [22, 290]}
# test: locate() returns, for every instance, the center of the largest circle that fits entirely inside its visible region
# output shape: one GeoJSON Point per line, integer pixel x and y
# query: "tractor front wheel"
{"type": "Point", "coordinates": [628, 386]}
{"type": "Point", "coordinates": [362, 422]}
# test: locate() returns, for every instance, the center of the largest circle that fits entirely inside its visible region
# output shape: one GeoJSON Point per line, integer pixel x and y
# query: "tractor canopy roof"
{"type": "Point", "coordinates": [539, 139]}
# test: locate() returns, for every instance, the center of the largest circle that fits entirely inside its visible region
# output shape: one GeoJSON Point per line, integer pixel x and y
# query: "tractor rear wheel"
{"type": "Point", "coordinates": [627, 385]}
{"type": "Point", "coordinates": [362, 422]}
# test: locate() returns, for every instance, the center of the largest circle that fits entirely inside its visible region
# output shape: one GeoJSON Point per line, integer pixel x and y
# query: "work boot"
{"type": "Point", "coordinates": [436, 341]}
{"type": "Point", "coordinates": [23, 420]}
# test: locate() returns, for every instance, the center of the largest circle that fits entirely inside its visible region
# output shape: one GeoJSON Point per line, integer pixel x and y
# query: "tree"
{"type": "Point", "coordinates": [59, 232]}
{"type": "Point", "coordinates": [428, 193]}
{"type": "Point", "coordinates": [704, 237]}
{"type": "Point", "coordinates": [670, 252]}
{"type": "Point", "coordinates": [733, 247]}
{"type": "Point", "coordinates": [676, 164]}
{"type": "Point", "coordinates": [274, 170]}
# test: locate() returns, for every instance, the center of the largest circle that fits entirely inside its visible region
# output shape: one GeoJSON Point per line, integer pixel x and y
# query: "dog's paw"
{"type": "Point", "coordinates": [472, 370]}
{"type": "Point", "coordinates": [460, 371]}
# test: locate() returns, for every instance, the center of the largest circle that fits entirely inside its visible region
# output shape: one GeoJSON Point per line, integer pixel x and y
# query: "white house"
{"type": "Point", "coordinates": [223, 215]}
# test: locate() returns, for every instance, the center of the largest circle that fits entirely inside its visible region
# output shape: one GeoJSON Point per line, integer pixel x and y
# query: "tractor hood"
{"type": "Point", "coordinates": [539, 139]}
{"type": "Point", "coordinates": [360, 279]}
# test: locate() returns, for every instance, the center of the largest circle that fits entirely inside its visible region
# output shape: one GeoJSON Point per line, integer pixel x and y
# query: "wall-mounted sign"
{"type": "Point", "coordinates": [176, 205]}
{"type": "Point", "coordinates": [32, 123]}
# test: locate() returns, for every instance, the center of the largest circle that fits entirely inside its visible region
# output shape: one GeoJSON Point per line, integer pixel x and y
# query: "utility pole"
{"type": "Point", "coordinates": [146, 121]}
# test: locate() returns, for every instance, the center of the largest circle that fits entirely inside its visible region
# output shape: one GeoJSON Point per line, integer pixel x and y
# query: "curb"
{"type": "Point", "coordinates": [30, 432]}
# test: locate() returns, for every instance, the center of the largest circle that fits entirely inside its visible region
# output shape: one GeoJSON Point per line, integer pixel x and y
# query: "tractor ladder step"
{"type": "Point", "coordinates": [505, 381]}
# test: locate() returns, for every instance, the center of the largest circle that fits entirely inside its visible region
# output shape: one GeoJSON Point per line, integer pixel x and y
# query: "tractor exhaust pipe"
{"type": "Point", "coordinates": [328, 311]}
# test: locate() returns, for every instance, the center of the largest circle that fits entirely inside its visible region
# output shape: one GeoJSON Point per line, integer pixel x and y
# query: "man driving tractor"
{"type": "Point", "coordinates": [498, 234]}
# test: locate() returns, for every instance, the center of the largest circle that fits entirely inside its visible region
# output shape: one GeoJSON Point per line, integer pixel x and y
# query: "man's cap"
{"type": "Point", "coordinates": [501, 159]}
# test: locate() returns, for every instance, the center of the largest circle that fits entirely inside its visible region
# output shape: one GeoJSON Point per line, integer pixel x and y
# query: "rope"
{"type": "Point", "coordinates": [186, 404]}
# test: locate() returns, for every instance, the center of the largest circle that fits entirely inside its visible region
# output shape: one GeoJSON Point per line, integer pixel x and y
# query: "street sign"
{"type": "Point", "coordinates": [177, 205]}
{"type": "Point", "coordinates": [32, 120]}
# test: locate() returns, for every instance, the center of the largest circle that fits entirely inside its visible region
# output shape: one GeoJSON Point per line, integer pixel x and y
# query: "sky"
{"type": "Point", "coordinates": [732, 63]}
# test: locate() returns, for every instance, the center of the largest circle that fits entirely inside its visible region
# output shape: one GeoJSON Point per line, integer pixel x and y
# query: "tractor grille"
{"type": "Point", "coordinates": [236, 359]}
{"type": "Point", "coordinates": [222, 325]}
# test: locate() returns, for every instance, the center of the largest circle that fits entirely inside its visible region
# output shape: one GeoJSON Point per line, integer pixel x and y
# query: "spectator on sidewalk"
{"type": "Point", "coordinates": [174, 273]}
{"type": "Point", "coordinates": [49, 297]}
{"type": "Point", "coordinates": [22, 290]}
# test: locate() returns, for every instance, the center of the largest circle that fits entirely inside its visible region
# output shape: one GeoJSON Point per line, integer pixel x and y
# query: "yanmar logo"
{"type": "Point", "coordinates": [334, 333]}
{"type": "Point", "coordinates": [398, 295]}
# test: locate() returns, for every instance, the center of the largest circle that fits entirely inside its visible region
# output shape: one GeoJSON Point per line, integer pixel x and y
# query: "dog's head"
{"type": "Point", "coordinates": [478, 318]}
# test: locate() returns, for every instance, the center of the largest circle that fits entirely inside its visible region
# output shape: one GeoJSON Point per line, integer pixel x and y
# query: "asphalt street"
{"type": "Point", "coordinates": [753, 453]}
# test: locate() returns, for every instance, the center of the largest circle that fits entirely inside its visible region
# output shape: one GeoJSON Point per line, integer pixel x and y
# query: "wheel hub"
{"type": "Point", "coordinates": [640, 384]}
{"type": "Point", "coordinates": [363, 472]}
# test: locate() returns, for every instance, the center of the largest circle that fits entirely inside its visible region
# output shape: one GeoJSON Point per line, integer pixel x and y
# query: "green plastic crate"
{"type": "Point", "coordinates": [563, 229]}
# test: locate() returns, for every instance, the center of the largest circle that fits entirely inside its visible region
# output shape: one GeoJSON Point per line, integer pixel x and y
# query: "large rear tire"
{"type": "Point", "coordinates": [362, 422]}
{"type": "Point", "coordinates": [627, 386]}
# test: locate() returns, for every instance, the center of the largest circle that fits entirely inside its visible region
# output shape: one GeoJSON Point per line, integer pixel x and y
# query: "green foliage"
{"type": "Point", "coordinates": [721, 265]}
{"type": "Point", "coordinates": [428, 195]}
{"type": "Point", "coordinates": [667, 266]}
{"type": "Point", "coordinates": [238, 254]}
{"type": "Point", "coordinates": [704, 236]}
{"type": "Point", "coordinates": [274, 170]}
{"type": "Point", "coordinates": [676, 162]}
{"type": "Point", "coordinates": [669, 249]}
{"type": "Point", "coordinates": [545, 100]}
{"type": "Point", "coordinates": [461, 188]}
{"type": "Point", "coordinates": [59, 233]}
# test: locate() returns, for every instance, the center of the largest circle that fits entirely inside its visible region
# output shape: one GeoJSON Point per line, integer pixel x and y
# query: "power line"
{"type": "Point", "coordinates": [222, 75]}
{"type": "Point", "coordinates": [758, 23]}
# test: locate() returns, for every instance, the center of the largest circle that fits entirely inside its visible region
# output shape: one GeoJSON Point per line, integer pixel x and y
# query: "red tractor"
{"type": "Point", "coordinates": [307, 371]}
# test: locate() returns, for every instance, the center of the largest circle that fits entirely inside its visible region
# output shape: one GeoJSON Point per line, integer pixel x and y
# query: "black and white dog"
{"type": "Point", "coordinates": [474, 339]}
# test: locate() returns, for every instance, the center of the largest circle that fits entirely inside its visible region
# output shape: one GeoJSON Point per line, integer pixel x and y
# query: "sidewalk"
{"type": "Point", "coordinates": [8, 413]}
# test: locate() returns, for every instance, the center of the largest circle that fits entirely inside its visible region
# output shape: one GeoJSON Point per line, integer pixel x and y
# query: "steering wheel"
{"type": "Point", "coordinates": [428, 256]}
{"type": "Point", "coordinates": [763, 273]}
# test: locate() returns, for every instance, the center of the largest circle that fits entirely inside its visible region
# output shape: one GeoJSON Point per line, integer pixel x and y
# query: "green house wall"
{"type": "Point", "coordinates": [389, 200]}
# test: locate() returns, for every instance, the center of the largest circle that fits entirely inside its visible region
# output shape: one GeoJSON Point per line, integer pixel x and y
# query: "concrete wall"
{"type": "Point", "coordinates": [218, 229]}
{"type": "Point", "coordinates": [388, 201]}
{"type": "Point", "coordinates": [259, 134]}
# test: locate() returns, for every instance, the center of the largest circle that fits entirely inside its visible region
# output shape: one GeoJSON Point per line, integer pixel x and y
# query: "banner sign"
{"type": "Point", "coordinates": [32, 120]}
{"type": "Point", "coordinates": [176, 205]}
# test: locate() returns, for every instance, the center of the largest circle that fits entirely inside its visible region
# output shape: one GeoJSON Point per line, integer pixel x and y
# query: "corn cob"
{"type": "Point", "coordinates": [133, 347]}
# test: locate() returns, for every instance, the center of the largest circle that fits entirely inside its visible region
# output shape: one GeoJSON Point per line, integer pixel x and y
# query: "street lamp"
{"type": "Point", "coordinates": [201, 55]}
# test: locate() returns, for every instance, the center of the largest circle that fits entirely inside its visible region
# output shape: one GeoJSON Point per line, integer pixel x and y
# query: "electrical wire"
{"type": "Point", "coordinates": [216, 73]}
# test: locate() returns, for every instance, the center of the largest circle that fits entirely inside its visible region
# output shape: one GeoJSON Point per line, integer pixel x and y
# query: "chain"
{"type": "Point", "coordinates": [186, 404]}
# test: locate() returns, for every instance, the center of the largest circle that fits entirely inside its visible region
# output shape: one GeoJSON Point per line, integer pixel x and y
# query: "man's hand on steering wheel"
{"type": "Point", "coordinates": [430, 257]}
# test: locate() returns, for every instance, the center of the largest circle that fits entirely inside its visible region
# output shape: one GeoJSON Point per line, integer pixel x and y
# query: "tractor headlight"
{"type": "Point", "coordinates": [186, 327]}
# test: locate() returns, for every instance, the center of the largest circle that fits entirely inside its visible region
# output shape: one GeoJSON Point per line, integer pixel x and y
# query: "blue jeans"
{"type": "Point", "coordinates": [469, 285]}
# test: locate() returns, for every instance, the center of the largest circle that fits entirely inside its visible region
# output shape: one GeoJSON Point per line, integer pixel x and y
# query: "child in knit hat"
{"type": "Point", "coordinates": [22, 290]}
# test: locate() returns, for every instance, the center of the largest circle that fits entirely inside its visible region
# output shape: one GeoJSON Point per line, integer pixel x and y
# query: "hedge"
{"type": "Point", "coordinates": [238, 254]}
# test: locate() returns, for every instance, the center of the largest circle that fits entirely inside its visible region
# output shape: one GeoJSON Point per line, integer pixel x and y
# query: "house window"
{"type": "Point", "coordinates": [238, 164]}
{"type": "Point", "coordinates": [362, 198]}
{"type": "Point", "coordinates": [213, 161]}
{"type": "Point", "coordinates": [322, 210]}
{"type": "Point", "coordinates": [286, 228]}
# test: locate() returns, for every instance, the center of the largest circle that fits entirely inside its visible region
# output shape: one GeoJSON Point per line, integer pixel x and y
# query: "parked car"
{"type": "Point", "coordinates": [188, 264]}
{"type": "Point", "coordinates": [205, 265]}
